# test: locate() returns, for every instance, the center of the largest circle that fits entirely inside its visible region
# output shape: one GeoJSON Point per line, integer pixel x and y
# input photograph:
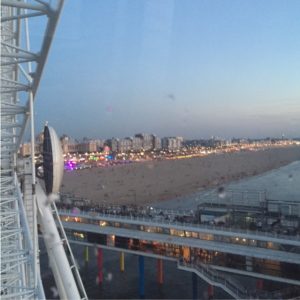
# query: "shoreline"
{"type": "Point", "coordinates": [156, 181]}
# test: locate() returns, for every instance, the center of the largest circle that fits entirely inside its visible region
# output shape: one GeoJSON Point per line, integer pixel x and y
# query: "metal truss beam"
{"type": "Point", "coordinates": [21, 71]}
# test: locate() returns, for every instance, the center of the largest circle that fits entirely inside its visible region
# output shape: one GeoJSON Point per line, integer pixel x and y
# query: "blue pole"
{"type": "Point", "coordinates": [141, 277]}
{"type": "Point", "coordinates": [195, 286]}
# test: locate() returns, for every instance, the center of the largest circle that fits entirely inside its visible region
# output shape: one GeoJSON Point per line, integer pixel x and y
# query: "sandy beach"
{"type": "Point", "coordinates": [153, 181]}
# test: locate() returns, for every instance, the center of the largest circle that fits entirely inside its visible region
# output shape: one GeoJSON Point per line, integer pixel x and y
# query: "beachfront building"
{"type": "Point", "coordinates": [87, 147]}
{"type": "Point", "coordinates": [100, 144]}
{"type": "Point", "coordinates": [165, 143]}
{"type": "Point", "coordinates": [113, 144]}
{"type": "Point", "coordinates": [215, 142]}
{"type": "Point", "coordinates": [124, 145]}
{"type": "Point", "coordinates": [25, 149]}
{"type": "Point", "coordinates": [179, 140]}
{"type": "Point", "coordinates": [156, 142]}
{"type": "Point", "coordinates": [172, 143]}
{"type": "Point", "coordinates": [241, 141]}
{"type": "Point", "coordinates": [147, 140]}
{"type": "Point", "coordinates": [137, 143]}
{"type": "Point", "coordinates": [69, 145]}
{"type": "Point", "coordinates": [40, 138]}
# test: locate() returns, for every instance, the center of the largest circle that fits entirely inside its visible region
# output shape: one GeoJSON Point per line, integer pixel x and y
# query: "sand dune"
{"type": "Point", "coordinates": [152, 181]}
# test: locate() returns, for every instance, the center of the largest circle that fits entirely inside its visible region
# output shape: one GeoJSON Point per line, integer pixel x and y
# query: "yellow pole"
{"type": "Point", "coordinates": [160, 274]}
{"type": "Point", "coordinates": [122, 262]}
{"type": "Point", "coordinates": [86, 254]}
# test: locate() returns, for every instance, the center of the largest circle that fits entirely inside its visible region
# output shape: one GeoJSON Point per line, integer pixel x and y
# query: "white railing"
{"type": "Point", "coordinates": [215, 278]}
{"type": "Point", "coordinates": [221, 230]}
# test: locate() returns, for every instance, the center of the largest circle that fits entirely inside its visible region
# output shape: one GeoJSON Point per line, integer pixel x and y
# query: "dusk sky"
{"type": "Point", "coordinates": [174, 67]}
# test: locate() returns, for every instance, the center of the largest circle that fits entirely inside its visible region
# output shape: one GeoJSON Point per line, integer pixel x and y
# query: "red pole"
{"type": "Point", "coordinates": [160, 274]}
{"type": "Point", "coordinates": [210, 291]}
{"type": "Point", "coordinates": [100, 265]}
{"type": "Point", "coordinates": [259, 284]}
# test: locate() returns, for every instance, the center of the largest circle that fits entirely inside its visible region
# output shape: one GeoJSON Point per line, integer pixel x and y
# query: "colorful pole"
{"type": "Point", "coordinates": [122, 262]}
{"type": "Point", "coordinates": [86, 254]}
{"type": "Point", "coordinates": [160, 274]}
{"type": "Point", "coordinates": [210, 291]}
{"type": "Point", "coordinates": [259, 284]}
{"type": "Point", "coordinates": [100, 265]}
{"type": "Point", "coordinates": [141, 277]}
{"type": "Point", "coordinates": [195, 286]}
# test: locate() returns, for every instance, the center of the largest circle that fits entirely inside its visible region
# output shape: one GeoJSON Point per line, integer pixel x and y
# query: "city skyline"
{"type": "Point", "coordinates": [39, 137]}
{"type": "Point", "coordinates": [86, 138]}
{"type": "Point", "coordinates": [141, 143]}
{"type": "Point", "coordinates": [194, 68]}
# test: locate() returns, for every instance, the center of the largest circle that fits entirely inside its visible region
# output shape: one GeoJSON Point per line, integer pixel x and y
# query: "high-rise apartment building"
{"type": "Point", "coordinates": [25, 149]}
{"type": "Point", "coordinates": [156, 142]}
{"type": "Point", "coordinates": [89, 146]}
{"type": "Point", "coordinates": [172, 143]}
{"type": "Point", "coordinates": [113, 144]}
{"type": "Point", "coordinates": [137, 143]}
{"type": "Point", "coordinates": [124, 145]}
{"type": "Point", "coordinates": [100, 144]}
{"type": "Point", "coordinates": [69, 145]}
{"type": "Point", "coordinates": [147, 140]}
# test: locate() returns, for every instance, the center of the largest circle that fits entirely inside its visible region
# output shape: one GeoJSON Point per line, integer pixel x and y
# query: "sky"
{"type": "Point", "coordinates": [174, 68]}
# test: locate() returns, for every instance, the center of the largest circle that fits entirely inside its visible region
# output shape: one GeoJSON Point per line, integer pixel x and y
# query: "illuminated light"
{"type": "Point", "coordinates": [237, 239]}
{"type": "Point", "coordinates": [102, 223]}
{"type": "Point", "coordinates": [80, 235]}
{"type": "Point", "coordinates": [244, 240]}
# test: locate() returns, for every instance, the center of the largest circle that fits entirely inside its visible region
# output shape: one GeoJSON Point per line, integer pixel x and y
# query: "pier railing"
{"type": "Point", "coordinates": [142, 216]}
